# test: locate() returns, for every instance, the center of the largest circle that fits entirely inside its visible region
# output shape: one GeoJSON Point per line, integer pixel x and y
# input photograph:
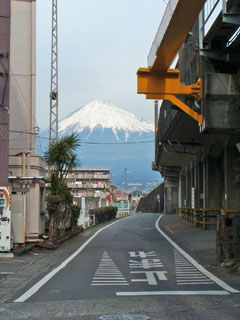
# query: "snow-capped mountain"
{"type": "Point", "coordinates": [106, 122]}
{"type": "Point", "coordinates": [112, 138]}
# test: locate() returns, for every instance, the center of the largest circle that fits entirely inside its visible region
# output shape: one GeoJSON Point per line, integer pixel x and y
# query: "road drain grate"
{"type": "Point", "coordinates": [124, 317]}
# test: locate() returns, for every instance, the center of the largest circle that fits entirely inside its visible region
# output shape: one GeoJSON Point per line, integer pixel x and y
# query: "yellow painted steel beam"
{"type": "Point", "coordinates": [178, 20]}
{"type": "Point", "coordinates": [151, 82]}
{"type": "Point", "coordinates": [165, 85]}
{"type": "Point", "coordinates": [158, 81]}
{"type": "Point", "coordinates": [193, 114]}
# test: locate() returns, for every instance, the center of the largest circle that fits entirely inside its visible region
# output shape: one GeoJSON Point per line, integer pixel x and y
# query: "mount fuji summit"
{"type": "Point", "coordinates": [113, 138]}
{"type": "Point", "coordinates": [104, 122]}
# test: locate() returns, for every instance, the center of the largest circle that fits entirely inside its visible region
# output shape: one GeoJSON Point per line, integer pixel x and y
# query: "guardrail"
{"type": "Point", "coordinates": [122, 213]}
{"type": "Point", "coordinates": [203, 218]}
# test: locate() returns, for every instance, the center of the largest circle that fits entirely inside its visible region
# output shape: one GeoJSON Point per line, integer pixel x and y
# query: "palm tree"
{"type": "Point", "coordinates": [61, 158]}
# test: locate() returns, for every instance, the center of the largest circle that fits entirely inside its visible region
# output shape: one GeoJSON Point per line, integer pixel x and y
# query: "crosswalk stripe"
{"type": "Point", "coordinates": [187, 274]}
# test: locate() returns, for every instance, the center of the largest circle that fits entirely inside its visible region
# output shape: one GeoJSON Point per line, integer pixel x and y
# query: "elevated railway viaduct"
{"type": "Point", "coordinates": [197, 148]}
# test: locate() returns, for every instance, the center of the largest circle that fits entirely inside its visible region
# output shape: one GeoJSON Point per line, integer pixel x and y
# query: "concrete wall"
{"type": "Point", "coordinates": [150, 203]}
{"type": "Point", "coordinates": [23, 76]}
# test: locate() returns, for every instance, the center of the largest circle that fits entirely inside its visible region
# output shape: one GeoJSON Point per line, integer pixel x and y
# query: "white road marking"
{"type": "Point", "coordinates": [109, 278]}
{"type": "Point", "coordinates": [151, 277]}
{"type": "Point", "coordinates": [106, 275]}
{"type": "Point", "coordinates": [171, 293]}
{"type": "Point", "coordinates": [219, 282]}
{"type": "Point", "coordinates": [46, 278]}
{"type": "Point", "coordinates": [190, 274]}
{"type": "Point", "coordinates": [185, 267]}
{"type": "Point", "coordinates": [110, 284]}
{"type": "Point", "coordinates": [108, 272]}
{"type": "Point", "coordinates": [186, 271]}
{"type": "Point", "coordinates": [185, 283]}
{"type": "Point", "coordinates": [6, 273]}
{"type": "Point", "coordinates": [145, 264]}
{"type": "Point", "coordinates": [108, 281]}
{"type": "Point", "coordinates": [196, 280]}
{"type": "Point", "coordinates": [191, 277]}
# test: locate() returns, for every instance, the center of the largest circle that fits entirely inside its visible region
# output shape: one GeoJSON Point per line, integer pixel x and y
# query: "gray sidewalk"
{"type": "Point", "coordinates": [201, 245]}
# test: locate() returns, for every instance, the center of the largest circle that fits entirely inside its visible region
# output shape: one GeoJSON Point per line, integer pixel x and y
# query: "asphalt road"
{"type": "Point", "coordinates": [129, 267]}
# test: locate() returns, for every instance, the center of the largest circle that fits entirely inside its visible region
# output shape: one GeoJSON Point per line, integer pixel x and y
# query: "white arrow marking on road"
{"type": "Point", "coordinates": [108, 273]}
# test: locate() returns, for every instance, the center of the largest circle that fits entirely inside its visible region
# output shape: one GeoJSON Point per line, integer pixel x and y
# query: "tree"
{"type": "Point", "coordinates": [61, 158]}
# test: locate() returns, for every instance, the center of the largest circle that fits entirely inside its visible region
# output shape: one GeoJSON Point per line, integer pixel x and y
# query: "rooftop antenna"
{"type": "Point", "coordinates": [53, 128]}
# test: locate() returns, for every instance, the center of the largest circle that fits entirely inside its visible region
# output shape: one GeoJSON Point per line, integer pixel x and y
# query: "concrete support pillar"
{"type": "Point", "coordinates": [201, 181]}
{"type": "Point", "coordinates": [197, 182]}
{"type": "Point", "coordinates": [179, 191]}
{"type": "Point", "coordinates": [215, 182]}
{"type": "Point", "coordinates": [188, 186]}
{"type": "Point", "coordinates": [231, 198]}
{"type": "Point", "coordinates": [193, 184]}
{"type": "Point", "coordinates": [206, 185]}
{"type": "Point", "coordinates": [170, 196]}
{"type": "Point", "coordinates": [182, 189]}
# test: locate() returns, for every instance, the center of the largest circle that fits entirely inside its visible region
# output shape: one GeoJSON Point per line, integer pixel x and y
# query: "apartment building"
{"type": "Point", "coordinates": [89, 182]}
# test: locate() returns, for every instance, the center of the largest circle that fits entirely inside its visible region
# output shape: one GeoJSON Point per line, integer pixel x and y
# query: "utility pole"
{"type": "Point", "coordinates": [125, 180]}
{"type": "Point", "coordinates": [53, 128]}
{"type": "Point", "coordinates": [4, 89]}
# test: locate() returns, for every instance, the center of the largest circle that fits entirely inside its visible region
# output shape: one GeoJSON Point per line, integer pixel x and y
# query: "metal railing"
{"type": "Point", "coordinates": [121, 213]}
{"type": "Point", "coordinates": [209, 8]}
{"type": "Point", "coordinates": [203, 218]}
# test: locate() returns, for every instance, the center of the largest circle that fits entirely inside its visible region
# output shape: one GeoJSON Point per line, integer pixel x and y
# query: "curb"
{"type": "Point", "coordinates": [29, 247]}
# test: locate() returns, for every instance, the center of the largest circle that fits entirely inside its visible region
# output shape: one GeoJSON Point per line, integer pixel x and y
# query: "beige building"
{"type": "Point", "coordinates": [27, 171]}
{"type": "Point", "coordinates": [22, 77]}
{"type": "Point", "coordinates": [89, 187]}
{"type": "Point", "coordinates": [89, 182]}
{"type": "Point", "coordinates": [27, 178]}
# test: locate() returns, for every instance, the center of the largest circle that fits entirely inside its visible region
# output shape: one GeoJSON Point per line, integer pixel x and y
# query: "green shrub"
{"type": "Point", "coordinates": [104, 214]}
{"type": "Point", "coordinates": [75, 210]}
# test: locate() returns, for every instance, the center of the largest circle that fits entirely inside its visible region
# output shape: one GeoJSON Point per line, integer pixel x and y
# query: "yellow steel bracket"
{"type": "Point", "coordinates": [165, 85]}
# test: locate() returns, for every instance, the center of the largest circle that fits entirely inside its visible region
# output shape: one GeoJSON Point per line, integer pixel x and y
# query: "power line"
{"type": "Point", "coordinates": [24, 132]}
{"type": "Point", "coordinates": [133, 142]}
{"type": "Point", "coordinates": [109, 143]}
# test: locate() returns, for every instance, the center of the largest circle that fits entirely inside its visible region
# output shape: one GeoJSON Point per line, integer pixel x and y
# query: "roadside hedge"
{"type": "Point", "coordinates": [104, 214]}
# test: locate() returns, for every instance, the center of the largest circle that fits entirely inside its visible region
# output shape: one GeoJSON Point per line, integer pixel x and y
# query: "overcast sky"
{"type": "Point", "coordinates": [102, 43]}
